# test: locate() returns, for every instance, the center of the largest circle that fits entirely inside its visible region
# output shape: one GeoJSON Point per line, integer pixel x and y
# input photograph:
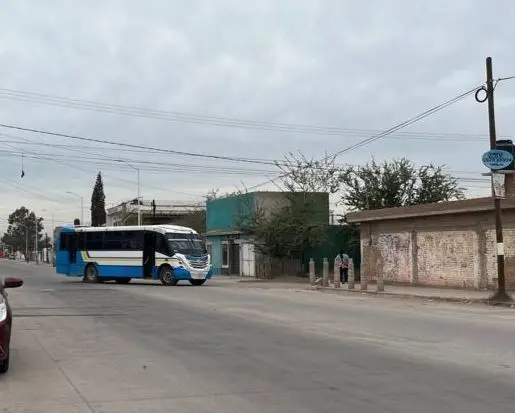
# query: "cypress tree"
{"type": "Point", "coordinates": [98, 211]}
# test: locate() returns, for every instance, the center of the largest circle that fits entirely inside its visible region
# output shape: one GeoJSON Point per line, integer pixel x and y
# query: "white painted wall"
{"type": "Point", "coordinates": [247, 260]}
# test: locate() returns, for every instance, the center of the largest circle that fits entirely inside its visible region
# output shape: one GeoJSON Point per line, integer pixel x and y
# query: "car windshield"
{"type": "Point", "coordinates": [188, 244]}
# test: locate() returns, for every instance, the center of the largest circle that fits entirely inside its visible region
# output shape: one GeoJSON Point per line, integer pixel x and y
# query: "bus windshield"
{"type": "Point", "coordinates": [187, 244]}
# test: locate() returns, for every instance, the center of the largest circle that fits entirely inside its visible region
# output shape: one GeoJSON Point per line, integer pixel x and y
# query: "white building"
{"type": "Point", "coordinates": [165, 212]}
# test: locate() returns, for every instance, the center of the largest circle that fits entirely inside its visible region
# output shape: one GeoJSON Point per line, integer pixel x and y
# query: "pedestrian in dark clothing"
{"type": "Point", "coordinates": [344, 267]}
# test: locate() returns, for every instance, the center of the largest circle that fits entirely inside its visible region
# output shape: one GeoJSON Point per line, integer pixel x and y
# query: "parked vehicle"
{"type": "Point", "coordinates": [6, 321]}
{"type": "Point", "coordinates": [169, 253]}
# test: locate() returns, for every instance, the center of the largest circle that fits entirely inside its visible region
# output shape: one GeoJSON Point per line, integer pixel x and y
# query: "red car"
{"type": "Point", "coordinates": [6, 321]}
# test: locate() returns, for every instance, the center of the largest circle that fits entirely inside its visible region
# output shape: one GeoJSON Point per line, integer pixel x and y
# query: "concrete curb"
{"type": "Point", "coordinates": [465, 300]}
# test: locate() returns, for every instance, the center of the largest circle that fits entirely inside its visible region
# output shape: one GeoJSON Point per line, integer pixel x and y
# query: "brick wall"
{"type": "Point", "coordinates": [395, 249]}
{"type": "Point", "coordinates": [455, 250]}
{"type": "Point", "coordinates": [447, 258]}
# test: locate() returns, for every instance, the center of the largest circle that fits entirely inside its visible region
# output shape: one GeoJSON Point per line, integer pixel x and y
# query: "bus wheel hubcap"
{"type": "Point", "coordinates": [92, 273]}
{"type": "Point", "coordinates": [168, 276]}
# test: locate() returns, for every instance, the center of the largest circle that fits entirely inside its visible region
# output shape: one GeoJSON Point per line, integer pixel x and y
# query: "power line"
{"type": "Point", "coordinates": [29, 191]}
{"type": "Point", "coordinates": [150, 148]}
{"type": "Point", "coordinates": [389, 131]}
{"type": "Point", "coordinates": [33, 97]}
{"type": "Point", "coordinates": [185, 168]}
{"type": "Point", "coordinates": [119, 161]}
{"type": "Point", "coordinates": [408, 122]}
{"type": "Point", "coordinates": [76, 167]}
{"type": "Point", "coordinates": [208, 120]}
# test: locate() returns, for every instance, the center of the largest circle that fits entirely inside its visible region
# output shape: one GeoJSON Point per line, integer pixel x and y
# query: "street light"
{"type": "Point", "coordinates": [81, 205]}
{"type": "Point", "coordinates": [53, 218]}
{"type": "Point", "coordinates": [53, 233]}
{"type": "Point", "coordinates": [137, 172]}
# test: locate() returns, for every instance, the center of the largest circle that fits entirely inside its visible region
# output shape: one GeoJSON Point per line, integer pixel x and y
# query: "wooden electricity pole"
{"type": "Point", "coordinates": [501, 294]}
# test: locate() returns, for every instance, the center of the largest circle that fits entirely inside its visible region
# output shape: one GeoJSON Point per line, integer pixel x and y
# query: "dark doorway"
{"type": "Point", "coordinates": [234, 259]}
{"type": "Point", "coordinates": [72, 248]}
{"type": "Point", "coordinates": [149, 253]}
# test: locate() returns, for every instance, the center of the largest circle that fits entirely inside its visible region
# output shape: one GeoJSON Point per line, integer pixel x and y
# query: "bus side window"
{"type": "Point", "coordinates": [63, 241]}
{"type": "Point", "coordinates": [95, 241]}
{"type": "Point", "coordinates": [161, 246]}
{"type": "Point", "coordinates": [81, 239]}
{"type": "Point", "coordinates": [133, 240]}
{"type": "Point", "coordinates": [136, 240]}
{"type": "Point", "coordinates": [114, 241]}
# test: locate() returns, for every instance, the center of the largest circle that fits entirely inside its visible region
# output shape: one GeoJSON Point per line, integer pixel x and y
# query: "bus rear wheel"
{"type": "Point", "coordinates": [91, 274]}
{"type": "Point", "coordinates": [166, 275]}
{"type": "Point", "coordinates": [123, 280]}
{"type": "Point", "coordinates": [197, 283]}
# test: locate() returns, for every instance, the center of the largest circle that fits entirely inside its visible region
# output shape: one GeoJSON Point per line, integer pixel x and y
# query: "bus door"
{"type": "Point", "coordinates": [72, 252]}
{"type": "Point", "coordinates": [149, 253]}
{"type": "Point", "coordinates": [66, 253]}
{"type": "Point", "coordinates": [72, 247]}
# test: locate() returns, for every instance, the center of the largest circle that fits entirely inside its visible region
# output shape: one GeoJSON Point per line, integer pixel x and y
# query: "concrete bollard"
{"type": "Point", "coordinates": [363, 280]}
{"type": "Point", "coordinates": [325, 273]}
{"type": "Point", "coordinates": [351, 274]}
{"type": "Point", "coordinates": [380, 282]}
{"type": "Point", "coordinates": [312, 277]}
{"type": "Point", "coordinates": [337, 272]}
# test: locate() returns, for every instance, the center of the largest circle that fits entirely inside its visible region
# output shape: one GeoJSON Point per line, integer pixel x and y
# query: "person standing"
{"type": "Point", "coordinates": [344, 266]}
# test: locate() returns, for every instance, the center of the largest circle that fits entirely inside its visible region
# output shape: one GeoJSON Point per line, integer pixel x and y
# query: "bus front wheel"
{"type": "Point", "coordinates": [166, 275]}
{"type": "Point", "coordinates": [197, 283]}
{"type": "Point", "coordinates": [91, 274]}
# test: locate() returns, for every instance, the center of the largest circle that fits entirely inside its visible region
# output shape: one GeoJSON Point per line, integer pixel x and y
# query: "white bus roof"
{"type": "Point", "coordinates": [157, 228]}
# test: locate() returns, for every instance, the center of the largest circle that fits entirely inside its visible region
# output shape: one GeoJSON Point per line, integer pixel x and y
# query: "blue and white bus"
{"type": "Point", "coordinates": [168, 253]}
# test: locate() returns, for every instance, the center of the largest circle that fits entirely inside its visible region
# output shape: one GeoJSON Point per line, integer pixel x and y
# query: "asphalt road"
{"type": "Point", "coordinates": [233, 348]}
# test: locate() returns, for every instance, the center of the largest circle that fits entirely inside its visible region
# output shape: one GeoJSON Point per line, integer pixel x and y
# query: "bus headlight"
{"type": "Point", "coordinates": [3, 310]}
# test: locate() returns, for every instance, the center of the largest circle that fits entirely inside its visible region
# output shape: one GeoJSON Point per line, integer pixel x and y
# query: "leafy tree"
{"type": "Point", "coordinates": [22, 230]}
{"type": "Point", "coordinates": [287, 231]}
{"type": "Point", "coordinates": [396, 183]}
{"type": "Point", "coordinates": [299, 221]}
{"type": "Point", "coordinates": [98, 211]}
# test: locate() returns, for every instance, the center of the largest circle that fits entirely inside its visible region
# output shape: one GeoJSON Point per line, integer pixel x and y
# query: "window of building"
{"type": "Point", "coordinates": [225, 255]}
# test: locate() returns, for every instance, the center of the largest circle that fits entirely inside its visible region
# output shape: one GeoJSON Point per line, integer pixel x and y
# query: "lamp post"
{"type": "Point", "coordinates": [37, 234]}
{"type": "Point", "coordinates": [53, 218]}
{"type": "Point", "coordinates": [81, 205]}
{"type": "Point", "coordinates": [46, 235]}
{"type": "Point", "coordinates": [137, 173]}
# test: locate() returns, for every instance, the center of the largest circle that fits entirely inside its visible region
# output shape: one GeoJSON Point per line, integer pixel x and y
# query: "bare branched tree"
{"type": "Point", "coordinates": [302, 174]}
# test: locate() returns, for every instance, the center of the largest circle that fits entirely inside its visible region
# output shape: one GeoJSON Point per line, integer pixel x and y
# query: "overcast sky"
{"type": "Point", "coordinates": [343, 64]}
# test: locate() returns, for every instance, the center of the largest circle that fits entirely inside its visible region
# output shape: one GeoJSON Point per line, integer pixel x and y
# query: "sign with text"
{"type": "Point", "coordinates": [496, 159]}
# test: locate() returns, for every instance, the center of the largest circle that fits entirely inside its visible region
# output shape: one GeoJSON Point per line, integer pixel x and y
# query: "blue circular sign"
{"type": "Point", "coordinates": [497, 159]}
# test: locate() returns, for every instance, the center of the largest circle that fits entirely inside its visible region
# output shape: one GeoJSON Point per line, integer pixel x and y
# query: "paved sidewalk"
{"type": "Point", "coordinates": [430, 293]}
{"type": "Point", "coordinates": [446, 294]}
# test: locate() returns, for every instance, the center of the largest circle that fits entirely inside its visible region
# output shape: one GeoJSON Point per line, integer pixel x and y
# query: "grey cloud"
{"type": "Point", "coordinates": [338, 63]}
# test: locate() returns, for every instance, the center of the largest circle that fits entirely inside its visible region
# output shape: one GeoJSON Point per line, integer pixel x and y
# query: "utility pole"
{"type": "Point", "coordinates": [26, 244]}
{"type": "Point", "coordinates": [139, 201]}
{"type": "Point", "coordinates": [36, 239]}
{"type": "Point", "coordinates": [139, 197]}
{"type": "Point", "coordinates": [501, 294]}
{"type": "Point", "coordinates": [47, 259]}
{"type": "Point", "coordinates": [81, 205]}
{"type": "Point", "coordinates": [81, 210]}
